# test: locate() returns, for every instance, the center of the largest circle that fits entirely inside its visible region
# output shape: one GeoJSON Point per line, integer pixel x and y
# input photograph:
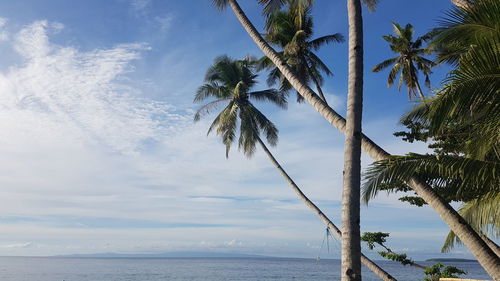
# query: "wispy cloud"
{"type": "Point", "coordinates": [16, 245]}
{"type": "Point", "coordinates": [139, 5]}
{"type": "Point", "coordinates": [165, 22]}
{"type": "Point", "coordinates": [84, 93]}
{"type": "Point", "coordinates": [4, 35]}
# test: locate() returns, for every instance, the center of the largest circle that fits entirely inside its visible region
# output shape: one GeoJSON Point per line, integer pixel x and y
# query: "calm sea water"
{"type": "Point", "coordinates": [199, 269]}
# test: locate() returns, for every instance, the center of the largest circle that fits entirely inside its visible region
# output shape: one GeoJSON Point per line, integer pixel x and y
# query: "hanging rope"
{"type": "Point", "coordinates": [326, 239]}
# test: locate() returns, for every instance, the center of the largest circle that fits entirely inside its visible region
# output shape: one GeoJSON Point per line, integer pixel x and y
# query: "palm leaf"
{"type": "Point", "coordinates": [325, 40]}
{"type": "Point", "coordinates": [276, 97]}
{"type": "Point", "coordinates": [482, 214]}
{"type": "Point", "coordinates": [208, 108]}
{"type": "Point", "coordinates": [385, 64]}
{"type": "Point", "coordinates": [472, 177]}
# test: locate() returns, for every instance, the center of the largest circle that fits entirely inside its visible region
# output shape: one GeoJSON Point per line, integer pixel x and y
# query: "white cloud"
{"type": "Point", "coordinates": [139, 5]}
{"type": "Point", "coordinates": [165, 22]}
{"type": "Point", "coordinates": [16, 245]}
{"type": "Point", "coordinates": [61, 88]}
{"type": "Point", "coordinates": [4, 35]}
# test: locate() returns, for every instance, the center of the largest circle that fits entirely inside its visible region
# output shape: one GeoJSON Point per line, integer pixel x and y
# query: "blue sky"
{"type": "Point", "coordinates": [100, 153]}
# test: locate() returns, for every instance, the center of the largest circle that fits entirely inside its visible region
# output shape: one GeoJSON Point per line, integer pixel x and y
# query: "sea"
{"type": "Point", "coordinates": [198, 269]}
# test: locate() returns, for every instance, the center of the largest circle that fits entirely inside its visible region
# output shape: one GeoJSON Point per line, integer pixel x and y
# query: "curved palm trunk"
{"type": "Point", "coordinates": [351, 243]}
{"type": "Point", "coordinates": [366, 261]}
{"type": "Point", "coordinates": [486, 257]}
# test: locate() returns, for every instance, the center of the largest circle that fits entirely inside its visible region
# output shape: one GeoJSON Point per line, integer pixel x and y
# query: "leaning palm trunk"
{"type": "Point", "coordinates": [366, 261]}
{"type": "Point", "coordinates": [351, 243]}
{"type": "Point", "coordinates": [486, 257]}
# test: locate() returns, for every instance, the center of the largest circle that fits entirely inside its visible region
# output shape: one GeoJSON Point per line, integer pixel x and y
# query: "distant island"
{"type": "Point", "coordinates": [450, 260]}
{"type": "Point", "coordinates": [163, 255]}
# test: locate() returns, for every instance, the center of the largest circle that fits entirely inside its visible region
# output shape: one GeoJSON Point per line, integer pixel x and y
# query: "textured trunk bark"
{"type": "Point", "coordinates": [366, 261]}
{"type": "Point", "coordinates": [351, 244]}
{"type": "Point", "coordinates": [485, 256]}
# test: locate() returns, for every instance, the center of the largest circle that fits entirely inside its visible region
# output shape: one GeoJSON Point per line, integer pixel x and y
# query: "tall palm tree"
{"type": "Point", "coordinates": [408, 62]}
{"type": "Point", "coordinates": [351, 235]}
{"type": "Point", "coordinates": [291, 30]}
{"type": "Point", "coordinates": [228, 82]}
{"type": "Point", "coordinates": [486, 257]}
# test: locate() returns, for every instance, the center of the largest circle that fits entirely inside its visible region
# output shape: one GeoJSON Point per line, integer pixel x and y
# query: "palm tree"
{"type": "Point", "coordinates": [486, 257]}
{"type": "Point", "coordinates": [228, 82]}
{"type": "Point", "coordinates": [467, 107]}
{"type": "Point", "coordinates": [408, 62]}
{"type": "Point", "coordinates": [291, 30]}
{"type": "Point", "coordinates": [351, 238]}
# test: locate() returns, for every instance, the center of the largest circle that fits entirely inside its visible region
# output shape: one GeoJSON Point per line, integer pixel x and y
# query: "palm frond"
{"type": "Point", "coordinates": [211, 90]}
{"type": "Point", "coordinates": [265, 125]}
{"type": "Point", "coordinates": [462, 27]}
{"type": "Point", "coordinates": [317, 64]}
{"type": "Point", "coordinates": [276, 97]}
{"type": "Point", "coordinates": [220, 4]}
{"type": "Point", "coordinates": [482, 214]}
{"type": "Point", "coordinates": [208, 108]}
{"type": "Point", "coordinates": [393, 73]}
{"type": "Point", "coordinates": [385, 64]}
{"type": "Point", "coordinates": [473, 177]}
{"type": "Point", "coordinates": [325, 40]}
{"type": "Point", "coordinates": [371, 4]}
{"type": "Point", "coordinates": [470, 95]}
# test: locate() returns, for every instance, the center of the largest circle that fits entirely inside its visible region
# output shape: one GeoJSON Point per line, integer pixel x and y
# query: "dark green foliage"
{"type": "Point", "coordinates": [436, 271]}
{"type": "Point", "coordinates": [379, 238]}
{"type": "Point", "coordinates": [401, 258]}
{"type": "Point", "coordinates": [413, 200]}
{"type": "Point", "coordinates": [455, 178]}
{"type": "Point", "coordinates": [462, 28]}
{"type": "Point", "coordinates": [372, 238]}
